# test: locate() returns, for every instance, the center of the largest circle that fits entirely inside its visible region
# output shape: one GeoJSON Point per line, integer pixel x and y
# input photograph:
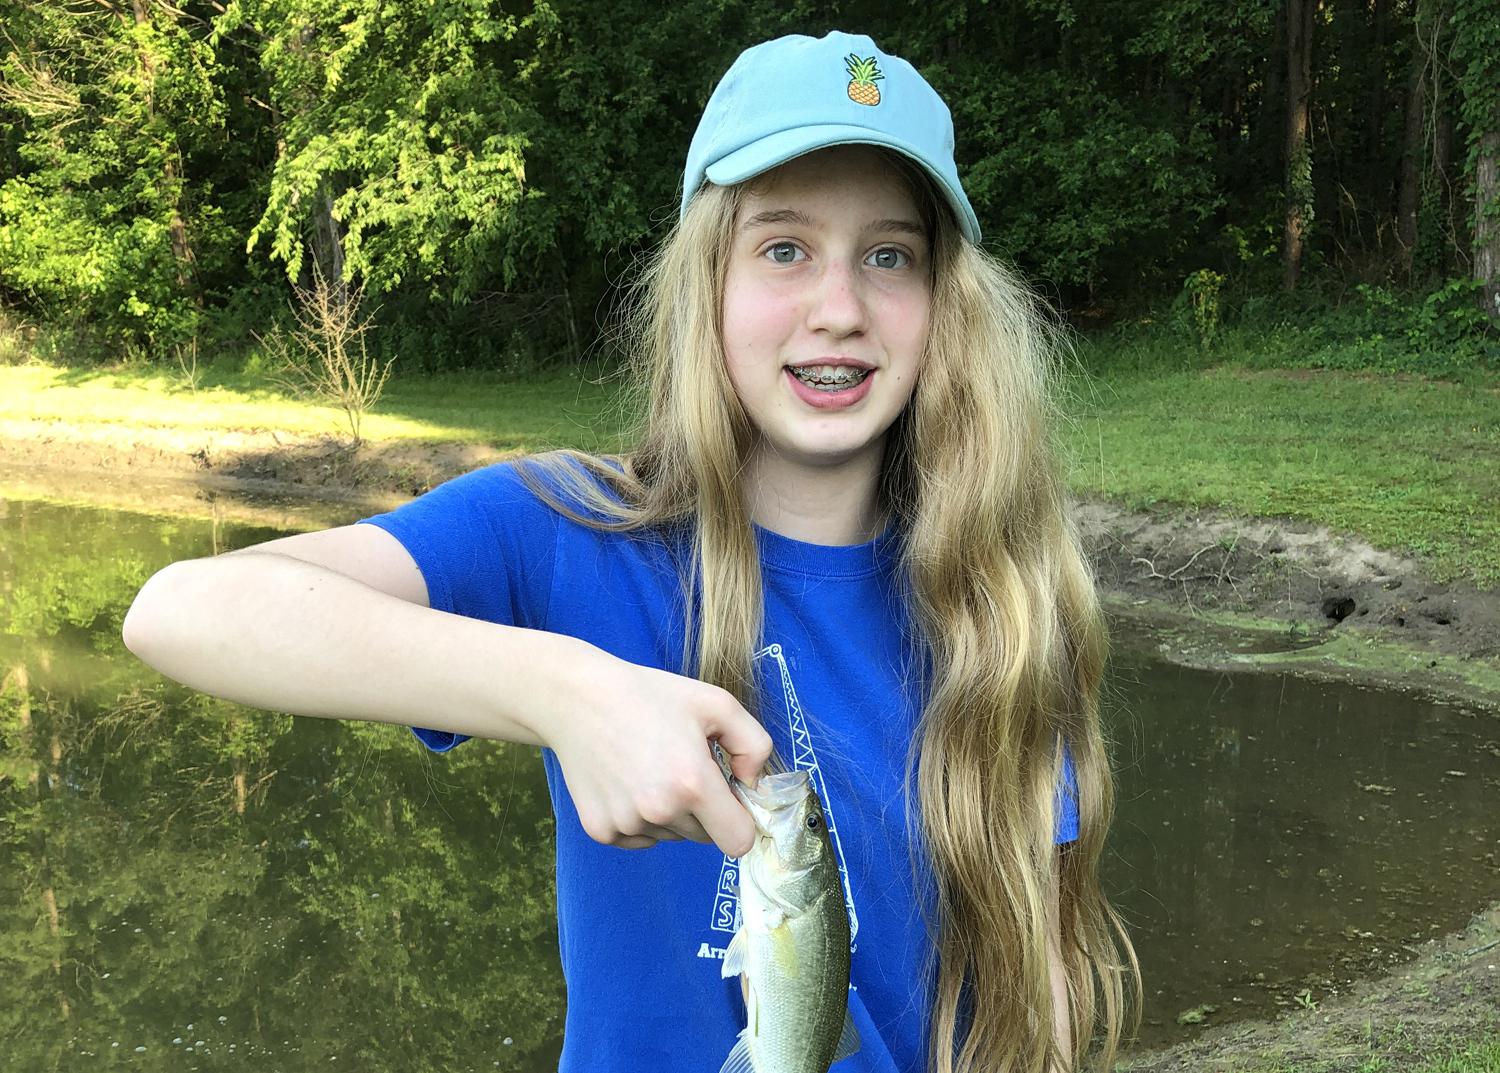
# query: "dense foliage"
{"type": "Point", "coordinates": [492, 173]}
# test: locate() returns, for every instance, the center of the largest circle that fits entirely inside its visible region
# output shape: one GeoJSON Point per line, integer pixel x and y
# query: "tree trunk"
{"type": "Point", "coordinates": [1409, 187]}
{"type": "Point", "coordinates": [1272, 114]}
{"type": "Point", "coordinates": [182, 250]}
{"type": "Point", "coordinates": [1299, 187]}
{"type": "Point", "coordinates": [1442, 107]}
{"type": "Point", "coordinates": [327, 242]}
{"type": "Point", "coordinates": [1487, 222]}
{"type": "Point", "coordinates": [1375, 117]}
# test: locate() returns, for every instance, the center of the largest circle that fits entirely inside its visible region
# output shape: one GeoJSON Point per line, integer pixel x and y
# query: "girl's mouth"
{"type": "Point", "coordinates": [829, 377]}
{"type": "Point", "coordinates": [830, 387]}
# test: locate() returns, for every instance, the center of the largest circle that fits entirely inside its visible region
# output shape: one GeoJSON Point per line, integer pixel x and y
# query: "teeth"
{"type": "Point", "coordinates": [827, 375]}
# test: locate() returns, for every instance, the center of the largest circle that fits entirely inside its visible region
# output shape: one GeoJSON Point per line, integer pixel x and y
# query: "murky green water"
{"type": "Point", "coordinates": [185, 883]}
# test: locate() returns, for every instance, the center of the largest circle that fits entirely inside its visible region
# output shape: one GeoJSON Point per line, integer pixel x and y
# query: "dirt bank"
{"type": "Point", "coordinates": [1227, 591]}
{"type": "Point", "coordinates": [1316, 583]}
{"type": "Point", "coordinates": [1281, 594]}
{"type": "Point", "coordinates": [250, 460]}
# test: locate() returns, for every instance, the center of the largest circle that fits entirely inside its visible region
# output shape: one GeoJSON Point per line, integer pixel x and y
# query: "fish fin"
{"type": "Point", "coordinates": [848, 1038]}
{"type": "Point", "coordinates": [734, 957]}
{"type": "Point", "coordinates": [784, 948]}
{"type": "Point", "coordinates": [739, 1057]}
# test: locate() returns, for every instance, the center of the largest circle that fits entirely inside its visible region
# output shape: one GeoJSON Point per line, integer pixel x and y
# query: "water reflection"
{"type": "Point", "coordinates": [184, 874]}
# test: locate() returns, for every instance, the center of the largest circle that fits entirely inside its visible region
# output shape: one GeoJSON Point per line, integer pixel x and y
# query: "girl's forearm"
{"type": "Point", "coordinates": [279, 633]}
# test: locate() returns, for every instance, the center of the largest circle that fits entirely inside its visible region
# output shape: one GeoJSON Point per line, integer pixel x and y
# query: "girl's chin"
{"type": "Point", "coordinates": [814, 452]}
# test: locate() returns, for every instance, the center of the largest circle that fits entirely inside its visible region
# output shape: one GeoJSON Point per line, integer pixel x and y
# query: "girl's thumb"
{"type": "Point", "coordinates": [747, 746]}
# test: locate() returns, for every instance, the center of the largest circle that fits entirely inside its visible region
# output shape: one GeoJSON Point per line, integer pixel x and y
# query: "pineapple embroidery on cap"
{"type": "Point", "coordinates": [863, 74]}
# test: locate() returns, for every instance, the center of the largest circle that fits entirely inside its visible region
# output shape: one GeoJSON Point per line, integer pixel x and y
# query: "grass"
{"type": "Point", "coordinates": [563, 407]}
{"type": "Point", "coordinates": [1480, 1056]}
{"type": "Point", "coordinates": [1409, 464]}
{"type": "Point", "coordinates": [1402, 1048]}
{"type": "Point", "coordinates": [1483, 1057]}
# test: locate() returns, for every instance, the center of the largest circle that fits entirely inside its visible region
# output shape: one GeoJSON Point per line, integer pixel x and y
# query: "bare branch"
{"type": "Point", "coordinates": [324, 354]}
{"type": "Point", "coordinates": [41, 95]}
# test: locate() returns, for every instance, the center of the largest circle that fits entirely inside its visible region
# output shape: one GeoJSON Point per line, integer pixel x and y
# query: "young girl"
{"type": "Point", "coordinates": [841, 533]}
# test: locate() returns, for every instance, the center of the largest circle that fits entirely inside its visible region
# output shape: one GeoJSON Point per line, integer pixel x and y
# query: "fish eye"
{"type": "Point", "coordinates": [812, 822]}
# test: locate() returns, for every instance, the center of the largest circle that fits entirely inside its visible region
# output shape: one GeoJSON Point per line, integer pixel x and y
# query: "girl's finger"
{"type": "Point", "coordinates": [664, 834]}
{"type": "Point", "coordinates": [649, 835]}
{"type": "Point", "coordinates": [747, 745]}
{"type": "Point", "coordinates": [725, 820]}
{"type": "Point", "coordinates": [690, 829]}
{"type": "Point", "coordinates": [633, 842]}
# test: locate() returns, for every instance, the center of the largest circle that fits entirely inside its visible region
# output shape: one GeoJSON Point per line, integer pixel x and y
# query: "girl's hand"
{"type": "Point", "coordinates": [636, 753]}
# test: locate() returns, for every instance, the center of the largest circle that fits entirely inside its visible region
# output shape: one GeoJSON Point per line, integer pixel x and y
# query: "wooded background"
{"type": "Point", "coordinates": [492, 173]}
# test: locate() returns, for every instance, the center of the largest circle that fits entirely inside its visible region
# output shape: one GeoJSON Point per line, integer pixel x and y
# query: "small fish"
{"type": "Point", "coordinates": [793, 945]}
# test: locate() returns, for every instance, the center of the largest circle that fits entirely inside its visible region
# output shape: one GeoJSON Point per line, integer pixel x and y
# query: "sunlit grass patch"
{"type": "Point", "coordinates": [565, 408]}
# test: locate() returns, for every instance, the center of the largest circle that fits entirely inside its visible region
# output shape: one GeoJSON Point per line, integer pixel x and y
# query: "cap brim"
{"type": "Point", "coordinates": [760, 156]}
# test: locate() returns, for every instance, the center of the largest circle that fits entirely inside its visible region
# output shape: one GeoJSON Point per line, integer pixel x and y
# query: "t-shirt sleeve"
{"type": "Point", "coordinates": [1067, 800]}
{"type": "Point", "coordinates": [485, 545]}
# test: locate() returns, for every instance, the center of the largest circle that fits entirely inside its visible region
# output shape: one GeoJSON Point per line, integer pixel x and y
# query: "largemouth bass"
{"type": "Point", "coordinates": [793, 944]}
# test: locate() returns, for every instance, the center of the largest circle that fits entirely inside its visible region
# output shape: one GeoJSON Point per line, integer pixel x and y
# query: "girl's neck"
{"type": "Point", "coordinates": [834, 505]}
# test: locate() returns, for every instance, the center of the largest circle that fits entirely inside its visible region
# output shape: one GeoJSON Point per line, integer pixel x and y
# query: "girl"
{"type": "Point", "coordinates": [843, 514]}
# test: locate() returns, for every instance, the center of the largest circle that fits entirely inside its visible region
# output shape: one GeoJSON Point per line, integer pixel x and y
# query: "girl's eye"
{"type": "Point", "coordinates": [890, 257]}
{"type": "Point", "coordinates": [783, 253]}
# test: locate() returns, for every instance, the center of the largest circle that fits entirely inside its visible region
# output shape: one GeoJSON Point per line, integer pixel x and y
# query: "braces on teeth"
{"type": "Point", "coordinates": [853, 376]}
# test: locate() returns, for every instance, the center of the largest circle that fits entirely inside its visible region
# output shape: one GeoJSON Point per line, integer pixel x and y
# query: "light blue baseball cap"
{"type": "Point", "coordinates": [783, 98]}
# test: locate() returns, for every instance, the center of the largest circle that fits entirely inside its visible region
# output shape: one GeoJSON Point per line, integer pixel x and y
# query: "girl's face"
{"type": "Point", "coordinates": [828, 276]}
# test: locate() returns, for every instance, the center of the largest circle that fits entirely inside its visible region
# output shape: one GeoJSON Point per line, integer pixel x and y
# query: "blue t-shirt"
{"type": "Point", "coordinates": [642, 932]}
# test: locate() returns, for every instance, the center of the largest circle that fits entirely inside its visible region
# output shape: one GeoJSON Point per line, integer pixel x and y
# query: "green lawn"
{"type": "Point", "coordinates": [565, 408]}
{"type": "Point", "coordinates": [1478, 1056]}
{"type": "Point", "coordinates": [1409, 464]}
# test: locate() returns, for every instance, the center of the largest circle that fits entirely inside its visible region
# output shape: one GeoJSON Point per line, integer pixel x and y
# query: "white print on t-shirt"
{"type": "Point", "coordinates": [726, 915]}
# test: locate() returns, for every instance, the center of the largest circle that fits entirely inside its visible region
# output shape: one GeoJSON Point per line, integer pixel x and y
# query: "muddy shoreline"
{"type": "Point", "coordinates": [1217, 590]}
{"type": "Point", "coordinates": [1210, 565]}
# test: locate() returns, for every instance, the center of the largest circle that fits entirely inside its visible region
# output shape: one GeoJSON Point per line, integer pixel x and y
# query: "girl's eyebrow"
{"type": "Point", "coordinates": [794, 216]}
{"type": "Point", "coordinates": [777, 216]}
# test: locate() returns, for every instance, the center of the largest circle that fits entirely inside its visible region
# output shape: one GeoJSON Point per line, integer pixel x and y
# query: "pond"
{"type": "Point", "coordinates": [184, 876]}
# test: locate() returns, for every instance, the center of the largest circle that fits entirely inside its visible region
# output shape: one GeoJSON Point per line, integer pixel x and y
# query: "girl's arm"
{"type": "Point", "coordinates": [277, 626]}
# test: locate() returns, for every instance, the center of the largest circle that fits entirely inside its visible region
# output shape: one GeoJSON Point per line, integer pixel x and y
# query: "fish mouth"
{"type": "Point", "coordinates": [773, 792]}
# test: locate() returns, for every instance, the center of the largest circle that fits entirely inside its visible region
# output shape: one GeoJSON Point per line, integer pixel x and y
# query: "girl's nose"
{"type": "Point", "coordinates": [837, 304]}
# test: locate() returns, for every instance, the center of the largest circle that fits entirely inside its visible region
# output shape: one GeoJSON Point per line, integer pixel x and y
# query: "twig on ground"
{"type": "Point", "coordinates": [1173, 575]}
{"type": "Point", "coordinates": [1480, 949]}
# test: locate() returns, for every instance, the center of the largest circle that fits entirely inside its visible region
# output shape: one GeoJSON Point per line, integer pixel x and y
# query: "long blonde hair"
{"type": "Point", "coordinates": [1004, 601]}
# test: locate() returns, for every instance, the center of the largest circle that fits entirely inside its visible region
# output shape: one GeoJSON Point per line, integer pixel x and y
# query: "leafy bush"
{"type": "Point", "coordinates": [1442, 334]}
{"type": "Point", "coordinates": [1195, 312]}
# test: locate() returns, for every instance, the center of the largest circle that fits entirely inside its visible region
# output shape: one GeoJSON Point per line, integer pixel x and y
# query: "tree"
{"type": "Point", "coordinates": [1476, 55]}
{"type": "Point", "coordinates": [401, 133]}
{"type": "Point", "coordinates": [1299, 168]}
{"type": "Point", "coordinates": [110, 102]}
